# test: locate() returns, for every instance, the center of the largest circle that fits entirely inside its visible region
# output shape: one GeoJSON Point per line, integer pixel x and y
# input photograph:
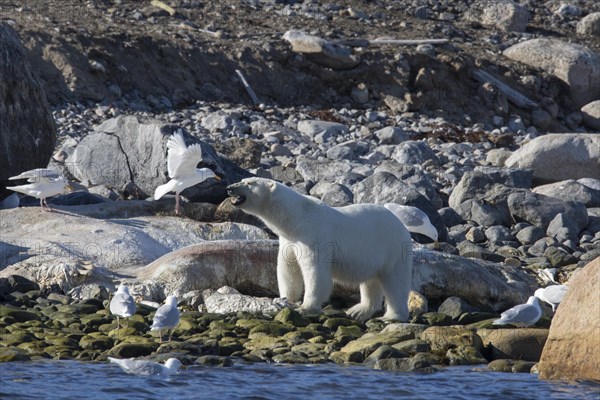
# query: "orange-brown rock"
{"type": "Point", "coordinates": [573, 347]}
{"type": "Point", "coordinates": [518, 344]}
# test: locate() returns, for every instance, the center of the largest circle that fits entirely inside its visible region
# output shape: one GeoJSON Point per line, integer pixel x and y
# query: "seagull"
{"type": "Point", "coordinates": [522, 314]}
{"type": "Point", "coordinates": [43, 183]}
{"type": "Point", "coordinates": [415, 220]}
{"type": "Point", "coordinates": [552, 295]}
{"type": "Point", "coordinates": [181, 166]}
{"type": "Point", "coordinates": [122, 304]}
{"type": "Point", "coordinates": [146, 367]}
{"type": "Point", "coordinates": [166, 317]}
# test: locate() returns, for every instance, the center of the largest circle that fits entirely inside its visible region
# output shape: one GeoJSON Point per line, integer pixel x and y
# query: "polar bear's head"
{"type": "Point", "coordinates": [252, 194]}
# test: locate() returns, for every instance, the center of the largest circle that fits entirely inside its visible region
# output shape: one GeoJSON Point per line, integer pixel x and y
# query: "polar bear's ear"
{"type": "Point", "coordinates": [272, 186]}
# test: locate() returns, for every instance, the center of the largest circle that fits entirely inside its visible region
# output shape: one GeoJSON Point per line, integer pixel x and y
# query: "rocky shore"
{"type": "Point", "coordinates": [496, 144]}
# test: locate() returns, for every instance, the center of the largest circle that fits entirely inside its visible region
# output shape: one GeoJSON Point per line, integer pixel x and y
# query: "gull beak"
{"type": "Point", "coordinates": [217, 177]}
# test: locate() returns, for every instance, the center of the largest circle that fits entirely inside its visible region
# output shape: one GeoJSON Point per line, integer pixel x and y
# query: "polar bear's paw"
{"type": "Point", "coordinates": [308, 310]}
{"type": "Point", "coordinates": [361, 312]}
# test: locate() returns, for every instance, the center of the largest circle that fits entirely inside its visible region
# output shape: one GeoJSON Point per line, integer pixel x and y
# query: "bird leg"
{"type": "Point", "coordinates": [160, 336]}
{"type": "Point", "coordinates": [47, 206]}
{"type": "Point", "coordinates": [176, 203]}
{"type": "Point", "coordinates": [171, 335]}
{"type": "Point", "coordinates": [118, 324]}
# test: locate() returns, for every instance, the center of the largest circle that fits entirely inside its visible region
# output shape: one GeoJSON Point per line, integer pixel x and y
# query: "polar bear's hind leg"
{"type": "Point", "coordinates": [371, 300]}
{"type": "Point", "coordinates": [396, 287]}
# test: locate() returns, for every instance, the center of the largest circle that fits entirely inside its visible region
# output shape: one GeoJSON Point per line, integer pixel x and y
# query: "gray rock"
{"type": "Point", "coordinates": [415, 177]}
{"type": "Point", "coordinates": [558, 157]}
{"type": "Point", "coordinates": [483, 213]}
{"type": "Point", "coordinates": [497, 157]}
{"type": "Point", "coordinates": [562, 228]}
{"type": "Point", "coordinates": [383, 187]}
{"type": "Point", "coordinates": [322, 131]}
{"type": "Point", "coordinates": [325, 170]}
{"type": "Point", "coordinates": [455, 307]}
{"type": "Point", "coordinates": [220, 121]}
{"type": "Point", "coordinates": [341, 152]}
{"type": "Point", "coordinates": [450, 217]}
{"type": "Point", "coordinates": [391, 135]}
{"type": "Point", "coordinates": [414, 153]}
{"type": "Point", "coordinates": [504, 14]}
{"type": "Point", "coordinates": [591, 114]}
{"type": "Point", "coordinates": [530, 234]}
{"type": "Point", "coordinates": [125, 149]}
{"type": "Point", "coordinates": [471, 250]}
{"type": "Point", "coordinates": [321, 51]}
{"type": "Point", "coordinates": [576, 65]}
{"type": "Point", "coordinates": [498, 234]}
{"type": "Point", "coordinates": [26, 122]}
{"type": "Point", "coordinates": [475, 234]}
{"type": "Point", "coordinates": [235, 302]}
{"type": "Point", "coordinates": [333, 194]}
{"type": "Point", "coordinates": [589, 25]}
{"type": "Point", "coordinates": [571, 190]}
{"type": "Point", "coordinates": [539, 210]}
{"type": "Point", "coordinates": [477, 183]}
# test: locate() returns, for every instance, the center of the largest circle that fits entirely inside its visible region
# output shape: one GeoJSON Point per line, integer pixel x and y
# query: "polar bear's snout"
{"type": "Point", "coordinates": [235, 191]}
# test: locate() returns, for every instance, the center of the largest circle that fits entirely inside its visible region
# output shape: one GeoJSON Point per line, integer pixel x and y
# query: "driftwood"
{"type": "Point", "coordinates": [161, 5]}
{"type": "Point", "coordinates": [248, 88]}
{"type": "Point", "coordinates": [512, 95]}
{"type": "Point", "coordinates": [381, 42]}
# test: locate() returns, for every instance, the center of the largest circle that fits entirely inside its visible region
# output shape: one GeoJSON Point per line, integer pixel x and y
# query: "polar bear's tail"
{"type": "Point", "coordinates": [164, 189]}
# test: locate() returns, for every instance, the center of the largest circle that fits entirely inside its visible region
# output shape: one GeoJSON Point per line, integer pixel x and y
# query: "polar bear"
{"type": "Point", "coordinates": [361, 244]}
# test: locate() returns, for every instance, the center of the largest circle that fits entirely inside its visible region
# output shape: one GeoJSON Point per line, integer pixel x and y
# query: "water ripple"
{"type": "Point", "coordinates": [78, 380]}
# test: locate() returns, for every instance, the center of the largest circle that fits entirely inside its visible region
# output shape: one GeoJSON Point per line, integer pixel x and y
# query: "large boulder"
{"type": "Point", "coordinates": [125, 149]}
{"type": "Point", "coordinates": [573, 347]}
{"type": "Point", "coordinates": [384, 187]}
{"type": "Point", "coordinates": [26, 121]}
{"type": "Point", "coordinates": [571, 190]}
{"type": "Point", "coordinates": [540, 210]}
{"type": "Point", "coordinates": [558, 157]}
{"type": "Point", "coordinates": [591, 114]}
{"type": "Point", "coordinates": [504, 14]}
{"type": "Point", "coordinates": [576, 65]}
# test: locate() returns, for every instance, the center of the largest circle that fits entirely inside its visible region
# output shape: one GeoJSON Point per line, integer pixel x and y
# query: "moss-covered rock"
{"type": "Point", "coordinates": [443, 338]}
{"type": "Point", "coordinates": [127, 350]}
{"type": "Point", "coordinates": [290, 358]}
{"type": "Point", "coordinates": [96, 341]}
{"type": "Point", "coordinates": [270, 328]}
{"type": "Point", "coordinates": [17, 314]}
{"type": "Point", "coordinates": [371, 341]}
{"type": "Point", "coordinates": [265, 343]}
{"type": "Point", "coordinates": [291, 317]}
{"type": "Point", "coordinates": [310, 350]}
{"type": "Point", "coordinates": [17, 337]}
{"type": "Point", "coordinates": [228, 346]}
{"type": "Point", "coordinates": [465, 355]}
{"type": "Point", "coordinates": [436, 319]}
{"type": "Point", "coordinates": [413, 346]}
{"type": "Point", "coordinates": [508, 365]}
{"type": "Point", "coordinates": [412, 364]}
{"type": "Point", "coordinates": [8, 354]}
{"type": "Point", "coordinates": [334, 323]}
{"type": "Point", "coordinates": [341, 357]}
{"type": "Point", "coordinates": [214, 361]}
{"type": "Point", "coordinates": [384, 352]}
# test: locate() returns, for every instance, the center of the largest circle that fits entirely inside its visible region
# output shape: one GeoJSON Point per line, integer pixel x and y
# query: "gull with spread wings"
{"type": "Point", "coordinates": [181, 166]}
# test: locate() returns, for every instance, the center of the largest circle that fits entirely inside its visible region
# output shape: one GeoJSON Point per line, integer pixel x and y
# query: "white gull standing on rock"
{"type": "Point", "coordinates": [166, 317]}
{"type": "Point", "coordinates": [181, 166]}
{"type": "Point", "coordinates": [552, 295]}
{"type": "Point", "coordinates": [415, 220]}
{"type": "Point", "coordinates": [522, 314]}
{"type": "Point", "coordinates": [146, 367]}
{"type": "Point", "coordinates": [43, 183]}
{"type": "Point", "coordinates": [122, 304]}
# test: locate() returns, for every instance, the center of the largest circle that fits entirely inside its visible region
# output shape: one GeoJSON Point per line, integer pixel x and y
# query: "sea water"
{"type": "Point", "coordinates": [95, 380]}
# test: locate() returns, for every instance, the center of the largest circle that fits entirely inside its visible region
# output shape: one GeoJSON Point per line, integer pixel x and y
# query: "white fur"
{"type": "Point", "coordinates": [358, 244]}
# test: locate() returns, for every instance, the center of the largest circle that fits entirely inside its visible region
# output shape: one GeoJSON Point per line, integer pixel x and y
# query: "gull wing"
{"type": "Point", "coordinates": [166, 317]}
{"type": "Point", "coordinates": [555, 293]}
{"type": "Point", "coordinates": [523, 313]}
{"type": "Point", "coordinates": [38, 175]}
{"type": "Point", "coordinates": [138, 367]}
{"type": "Point", "coordinates": [182, 160]}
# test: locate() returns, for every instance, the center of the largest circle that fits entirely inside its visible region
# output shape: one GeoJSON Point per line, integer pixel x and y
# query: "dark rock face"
{"type": "Point", "coordinates": [26, 122]}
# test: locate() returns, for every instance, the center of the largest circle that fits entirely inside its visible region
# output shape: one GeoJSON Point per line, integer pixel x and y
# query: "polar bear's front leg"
{"type": "Point", "coordinates": [289, 276]}
{"type": "Point", "coordinates": [318, 281]}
